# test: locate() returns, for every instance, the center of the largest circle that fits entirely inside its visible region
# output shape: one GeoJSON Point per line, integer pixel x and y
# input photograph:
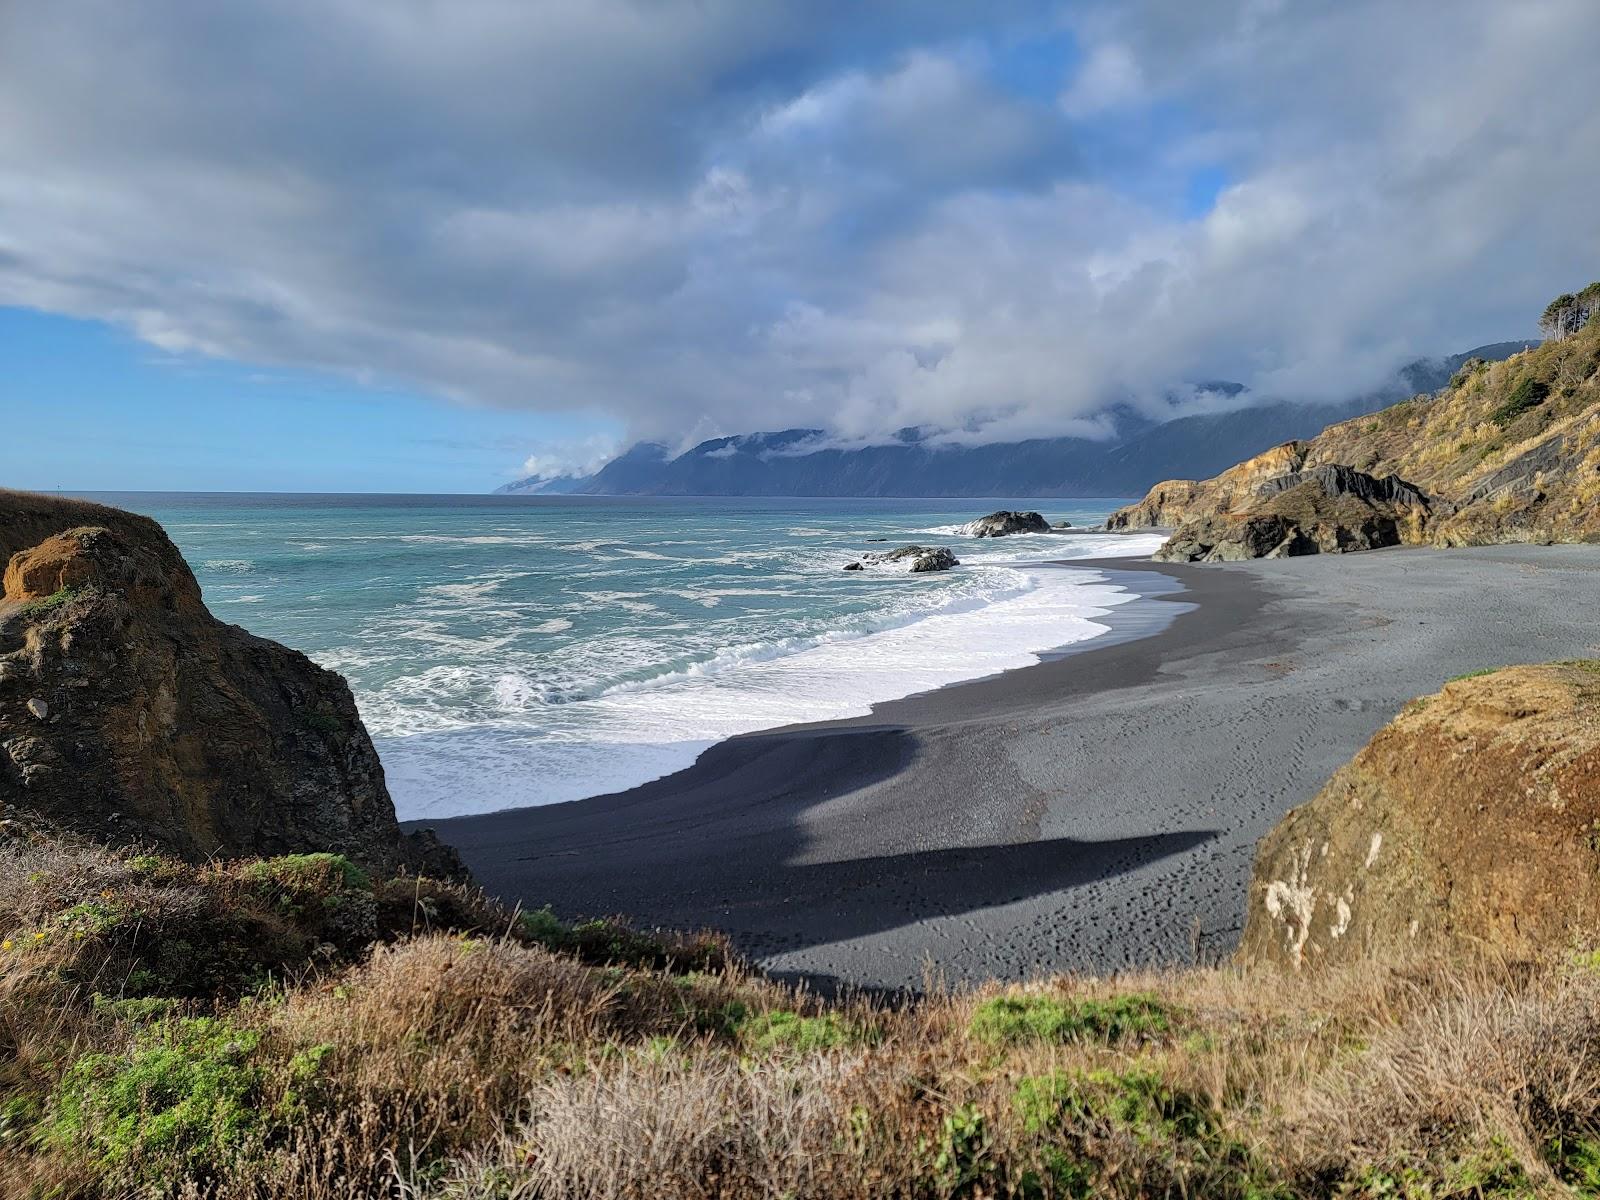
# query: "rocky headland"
{"type": "Point", "coordinates": [129, 713]}
{"type": "Point", "coordinates": [1507, 452]}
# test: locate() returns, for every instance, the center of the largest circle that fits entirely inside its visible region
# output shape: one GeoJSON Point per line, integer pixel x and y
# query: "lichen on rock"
{"type": "Point", "coordinates": [1469, 824]}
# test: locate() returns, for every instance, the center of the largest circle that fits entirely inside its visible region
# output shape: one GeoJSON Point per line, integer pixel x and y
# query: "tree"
{"type": "Point", "coordinates": [1568, 313]}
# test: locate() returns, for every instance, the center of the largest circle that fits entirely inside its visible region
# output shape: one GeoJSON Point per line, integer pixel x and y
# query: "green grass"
{"type": "Point", "coordinates": [1478, 674]}
{"type": "Point", "coordinates": [788, 1031]}
{"type": "Point", "coordinates": [57, 599]}
{"type": "Point", "coordinates": [301, 874]}
{"type": "Point", "coordinates": [1009, 1020]}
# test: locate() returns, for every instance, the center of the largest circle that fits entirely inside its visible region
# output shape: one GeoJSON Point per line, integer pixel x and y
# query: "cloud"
{"type": "Point", "coordinates": [583, 456]}
{"type": "Point", "coordinates": [718, 216]}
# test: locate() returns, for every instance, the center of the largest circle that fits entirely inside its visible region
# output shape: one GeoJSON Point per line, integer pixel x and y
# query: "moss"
{"type": "Point", "coordinates": [1016, 1019]}
{"type": "Point", "coordinates": [326, 724]}
{"type": "Point", "coordinates": [181, 1103]}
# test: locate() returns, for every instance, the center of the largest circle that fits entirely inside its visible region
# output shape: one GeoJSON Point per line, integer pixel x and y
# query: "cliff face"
{"type": "Point", "coordinates": [1508, 451]}
{"type": "Point", "coordinates": [1469, 823]}
{"type": "Point", "coordinates": [128, 712]}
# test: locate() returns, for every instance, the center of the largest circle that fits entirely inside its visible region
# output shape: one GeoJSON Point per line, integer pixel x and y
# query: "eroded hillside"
{"type": "Point", "coordinates": [1509, 451]}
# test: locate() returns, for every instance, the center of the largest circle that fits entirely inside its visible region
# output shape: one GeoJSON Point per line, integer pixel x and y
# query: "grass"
{"type": "Point", "coordinates": [46, 604]}
{"type": "Point", "coordinates": [463, 1052]}
{"type": "Point", "coordinates": [1033, 1018]}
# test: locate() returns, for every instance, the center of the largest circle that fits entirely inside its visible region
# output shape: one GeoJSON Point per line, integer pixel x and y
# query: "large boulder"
{"type": "Point", "coordinates": [917, 559]}
{"type": "Point", "coordinates": [1471, 823]}
{"type": "Point", "coordinates": [1000, 524]}
{"type": "Point", "coordinates": [1327, 509]}
{"type": "Point", "coordinates": [129, 713]}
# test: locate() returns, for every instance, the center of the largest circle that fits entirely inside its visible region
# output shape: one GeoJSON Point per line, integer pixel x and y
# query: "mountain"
{"type": "Point", "coordinates": [801, 462]}
{"type": "Point", "coordinates": [1506, 451]}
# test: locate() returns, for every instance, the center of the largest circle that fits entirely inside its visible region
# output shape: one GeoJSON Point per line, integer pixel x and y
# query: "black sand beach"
{"type": "Point", "coordinates": [1094, 812]}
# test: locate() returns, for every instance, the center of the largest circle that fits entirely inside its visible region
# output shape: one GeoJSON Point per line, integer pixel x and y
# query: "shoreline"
{"type": "Point", "coordinates": [1096, 811]}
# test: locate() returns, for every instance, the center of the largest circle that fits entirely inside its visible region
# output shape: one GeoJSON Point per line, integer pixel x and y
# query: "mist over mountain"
{"type": "Point", "coordinates": [917, 462]}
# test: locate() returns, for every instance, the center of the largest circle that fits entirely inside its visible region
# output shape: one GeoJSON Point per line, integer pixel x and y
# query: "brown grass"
{"type": "Point", "coordinates": [465, 1060]}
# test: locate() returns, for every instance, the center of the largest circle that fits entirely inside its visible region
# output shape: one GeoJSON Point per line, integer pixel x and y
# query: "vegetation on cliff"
{"type": "Point", "coordinates": [1509, 451]}
{"type": "Point", "coordinates": [297, 1027]}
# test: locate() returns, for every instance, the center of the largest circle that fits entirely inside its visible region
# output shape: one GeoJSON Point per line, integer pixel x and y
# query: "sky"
{"type": "Point", "coordinates": [430, 246]}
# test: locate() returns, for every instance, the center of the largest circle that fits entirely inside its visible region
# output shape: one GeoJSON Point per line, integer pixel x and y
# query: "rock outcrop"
{"type": "Point", "coordinates": [918, 559]}
{"type": "Point", "coordinates": [1509, 451]}
{"type": "Point", "coordinates": [1330, 509]}
{"type": "Point", "coordinates": [1470, 823]}
{"type": "Point", "coordinates": [129, 713]}
{"type": "Point", "coordinates": [1000, 524]}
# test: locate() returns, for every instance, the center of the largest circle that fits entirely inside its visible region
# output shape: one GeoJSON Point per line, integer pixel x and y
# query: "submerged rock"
{"type": "Point", "coordinates": [922, 558]}
{"type": "Point", "coordinates": [129, 713]}
{"type": "Point", "coordinates": [1469, 824]}
{"type": "Point", "coordinates": [999, 524]}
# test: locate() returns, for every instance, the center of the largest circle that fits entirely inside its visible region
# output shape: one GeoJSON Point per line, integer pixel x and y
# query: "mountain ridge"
{"type": "Point", "coordinates": [1143, 452]}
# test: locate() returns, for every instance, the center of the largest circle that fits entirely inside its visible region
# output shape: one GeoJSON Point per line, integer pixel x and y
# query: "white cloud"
{"type": "Point", "coordinates": [1110, 78]}
{"type": "Point", "coordinates": [584, 456]}
{"type": "Point", "coordinates": [719, 216]}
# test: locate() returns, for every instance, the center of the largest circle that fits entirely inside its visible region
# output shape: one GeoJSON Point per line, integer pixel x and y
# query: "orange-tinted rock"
{"type": "Point", "coordinates": [129, 713]}
{"type": "Point", "coordinates": [1469, 824]}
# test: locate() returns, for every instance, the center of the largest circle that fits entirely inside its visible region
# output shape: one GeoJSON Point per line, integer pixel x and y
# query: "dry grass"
{"type": "Point", "coordinates": [467, 1060]}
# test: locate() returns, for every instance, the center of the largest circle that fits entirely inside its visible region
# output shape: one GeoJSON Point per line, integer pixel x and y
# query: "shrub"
{"type": "Point", "coordinates": [300, 875]}
{"type": "Point", "coordinates": [1015, 1019]}
{"type": "Point", "coordinates": [1528, 394]}
{"type": "Point", "coordinates": [182, 1102]}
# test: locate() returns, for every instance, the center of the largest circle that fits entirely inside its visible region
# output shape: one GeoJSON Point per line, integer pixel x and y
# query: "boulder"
{"type": "Point", "coordinates": [129, 713]}
{"type": "Point", "coordinates": [999, 524]}
{"type": "Point", "coordinates": [1470, 824]}
{"type": "Point", "coordinates": [917, 558]}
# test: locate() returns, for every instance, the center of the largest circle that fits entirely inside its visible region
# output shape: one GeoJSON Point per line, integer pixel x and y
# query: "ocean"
{"type": "Point", "coordinates": [508, 651]}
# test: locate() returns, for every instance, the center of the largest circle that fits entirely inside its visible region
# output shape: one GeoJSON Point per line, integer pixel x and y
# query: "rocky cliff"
{"type": "Point", "coordinates": [1507, 451]}
{"type": "Point", "coordinates": [129, 713]}
{"type": "Point", "coordinates": [1470, 823]}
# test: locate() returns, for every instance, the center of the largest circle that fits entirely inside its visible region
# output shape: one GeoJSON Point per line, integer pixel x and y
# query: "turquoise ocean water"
{"type": "Point", "coordinates": [509, 651]}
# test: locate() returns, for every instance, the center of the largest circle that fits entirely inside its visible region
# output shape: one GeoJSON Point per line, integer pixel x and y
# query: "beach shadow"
{"type": "Point", "coordinates": [724, 845]}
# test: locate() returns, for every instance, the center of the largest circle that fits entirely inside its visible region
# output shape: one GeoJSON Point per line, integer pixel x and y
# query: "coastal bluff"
{"type": "Point", "coordinates": [130, 714]}
{"type": "Point", "coordinates": [1508, 451]}
{"type": "Point", "coordinates": [1469, 824]}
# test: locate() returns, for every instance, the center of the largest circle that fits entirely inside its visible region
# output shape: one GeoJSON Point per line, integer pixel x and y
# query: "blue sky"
{"type": "Point", "coordinates": [89, 407]}
{"type": "Point", "coordinates": [327, 244]}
